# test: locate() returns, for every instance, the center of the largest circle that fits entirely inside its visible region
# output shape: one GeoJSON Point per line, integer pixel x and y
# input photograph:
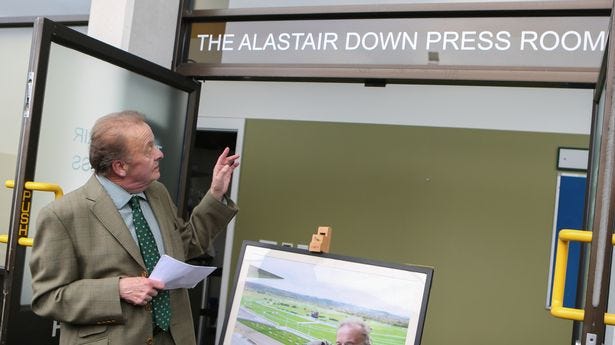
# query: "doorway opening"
{"type": "Point", "coordinates": [205, 297]}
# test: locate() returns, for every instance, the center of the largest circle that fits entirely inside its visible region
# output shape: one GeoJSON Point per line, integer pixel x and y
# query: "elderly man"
{"type": "Point", "coordinates": [353, 331]}
{"type": "Point", "coordinates": [95, 247]}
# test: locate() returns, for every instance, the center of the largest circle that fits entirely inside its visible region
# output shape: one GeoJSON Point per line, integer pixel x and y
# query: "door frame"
{"type": "Point", "coordinates": [551, 77]}
{"type": "Point", "coordinates": [46, 32]}
{"type": "Point", "coordinates": [234, 125]}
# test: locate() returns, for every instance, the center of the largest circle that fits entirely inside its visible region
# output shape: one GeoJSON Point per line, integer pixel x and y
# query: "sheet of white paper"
{"type": "Point", "coordinates": [176, 274]}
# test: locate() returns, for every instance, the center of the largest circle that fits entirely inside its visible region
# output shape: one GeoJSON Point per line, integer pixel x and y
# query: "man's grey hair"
{"type": "Point", "coordinates": [357, 323]}
{"type": "Point", "coordinates": [107, 140]}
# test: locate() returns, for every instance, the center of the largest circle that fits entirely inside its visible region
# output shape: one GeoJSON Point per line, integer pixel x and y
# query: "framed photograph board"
{"type": "Point", "coordinates": [286, 295]}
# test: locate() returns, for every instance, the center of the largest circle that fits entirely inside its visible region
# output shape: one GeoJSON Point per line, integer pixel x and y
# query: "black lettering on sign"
{"type": "Point", "coordinates": [24, 217]}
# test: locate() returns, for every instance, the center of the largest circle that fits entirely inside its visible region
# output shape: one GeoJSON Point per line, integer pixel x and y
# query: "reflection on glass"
{"type": "Point", "coordinates": [595, 159]}
{"type": "Point", "coordinates": [220, 4]}
{"type": "Point", "coordinates": [44, 8]}
{"type": "Point", "coordinates": [80, 89]}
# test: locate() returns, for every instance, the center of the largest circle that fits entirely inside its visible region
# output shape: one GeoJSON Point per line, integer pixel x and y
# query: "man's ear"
{"type": "Point", "coordinates": [119, 168]}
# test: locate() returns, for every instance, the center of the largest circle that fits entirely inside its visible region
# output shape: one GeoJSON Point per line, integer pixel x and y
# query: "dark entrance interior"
{"type": "Point", "coordinates": [208, 144]}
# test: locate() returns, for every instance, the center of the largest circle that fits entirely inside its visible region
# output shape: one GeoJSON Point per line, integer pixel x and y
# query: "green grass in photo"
{"type": "Point", "coordinates": [294, 320]}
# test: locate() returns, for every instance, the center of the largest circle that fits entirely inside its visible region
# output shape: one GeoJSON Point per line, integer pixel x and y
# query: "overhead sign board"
{"type": "Point", "coordinates": [499, 41]}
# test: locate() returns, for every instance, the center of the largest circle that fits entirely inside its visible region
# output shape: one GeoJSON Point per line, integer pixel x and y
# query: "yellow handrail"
{"type": "Point", "coordinates": [23, 241]}
{"type": "Point", "coordinates": [559, 277]}
{"type": "Point", "coordinates": [39, 186]}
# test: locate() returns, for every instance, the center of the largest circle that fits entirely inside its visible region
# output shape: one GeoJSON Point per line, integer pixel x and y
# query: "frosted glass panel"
{"type": "Point", "coordinates": [15, 43]}
{"type": "Point", "coordinates": [80, 89]}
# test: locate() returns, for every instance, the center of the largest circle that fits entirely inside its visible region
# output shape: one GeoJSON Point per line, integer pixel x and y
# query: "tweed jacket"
{"type": "Point", "coordinates": [81, 249]}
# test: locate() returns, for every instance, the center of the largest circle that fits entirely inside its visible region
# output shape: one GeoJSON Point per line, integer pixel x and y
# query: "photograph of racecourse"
{"type": "Point", "coordinates": [287, 297]}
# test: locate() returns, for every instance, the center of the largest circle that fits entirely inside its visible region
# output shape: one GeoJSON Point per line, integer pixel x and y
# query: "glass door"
{"type": "Point", "coordinates": [73, 79]}
{"type": "Point", "coordinates": [600, 207]}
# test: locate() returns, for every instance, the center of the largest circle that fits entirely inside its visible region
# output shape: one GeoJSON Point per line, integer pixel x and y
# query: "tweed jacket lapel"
{"type": "Point", "coordinates": [105, 211]}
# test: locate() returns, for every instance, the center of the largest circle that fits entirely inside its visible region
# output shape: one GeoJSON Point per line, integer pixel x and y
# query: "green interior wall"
{"type": "Point", "coordinates": [477, 205]}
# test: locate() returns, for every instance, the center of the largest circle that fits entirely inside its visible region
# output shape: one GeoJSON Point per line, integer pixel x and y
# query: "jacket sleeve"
{"type": "Point", "coordinates": [208, 219]}
{"type": "Point", "coordinates": [58, 290]}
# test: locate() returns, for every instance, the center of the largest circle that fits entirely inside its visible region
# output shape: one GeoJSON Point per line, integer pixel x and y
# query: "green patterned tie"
{"type": "Point", "coordinates": [149, 251]}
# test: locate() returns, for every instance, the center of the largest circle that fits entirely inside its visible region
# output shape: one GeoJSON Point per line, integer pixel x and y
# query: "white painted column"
{"type": "Point", "coordinates": [145, 28]}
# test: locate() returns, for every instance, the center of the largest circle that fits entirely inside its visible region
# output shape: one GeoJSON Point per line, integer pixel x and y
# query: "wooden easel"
{"type": "Point", "coordinates": [321, 240]}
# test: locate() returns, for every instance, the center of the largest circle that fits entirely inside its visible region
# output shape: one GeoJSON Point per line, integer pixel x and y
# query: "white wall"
{"type": "Point", "coordinates": [145, 28]}
{"type": "Point", "coordinates": [499, 108]}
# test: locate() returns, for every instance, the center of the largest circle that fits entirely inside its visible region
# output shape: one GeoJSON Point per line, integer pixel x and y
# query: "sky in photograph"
{"type": "Point", "coordinates": [362, 285]}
